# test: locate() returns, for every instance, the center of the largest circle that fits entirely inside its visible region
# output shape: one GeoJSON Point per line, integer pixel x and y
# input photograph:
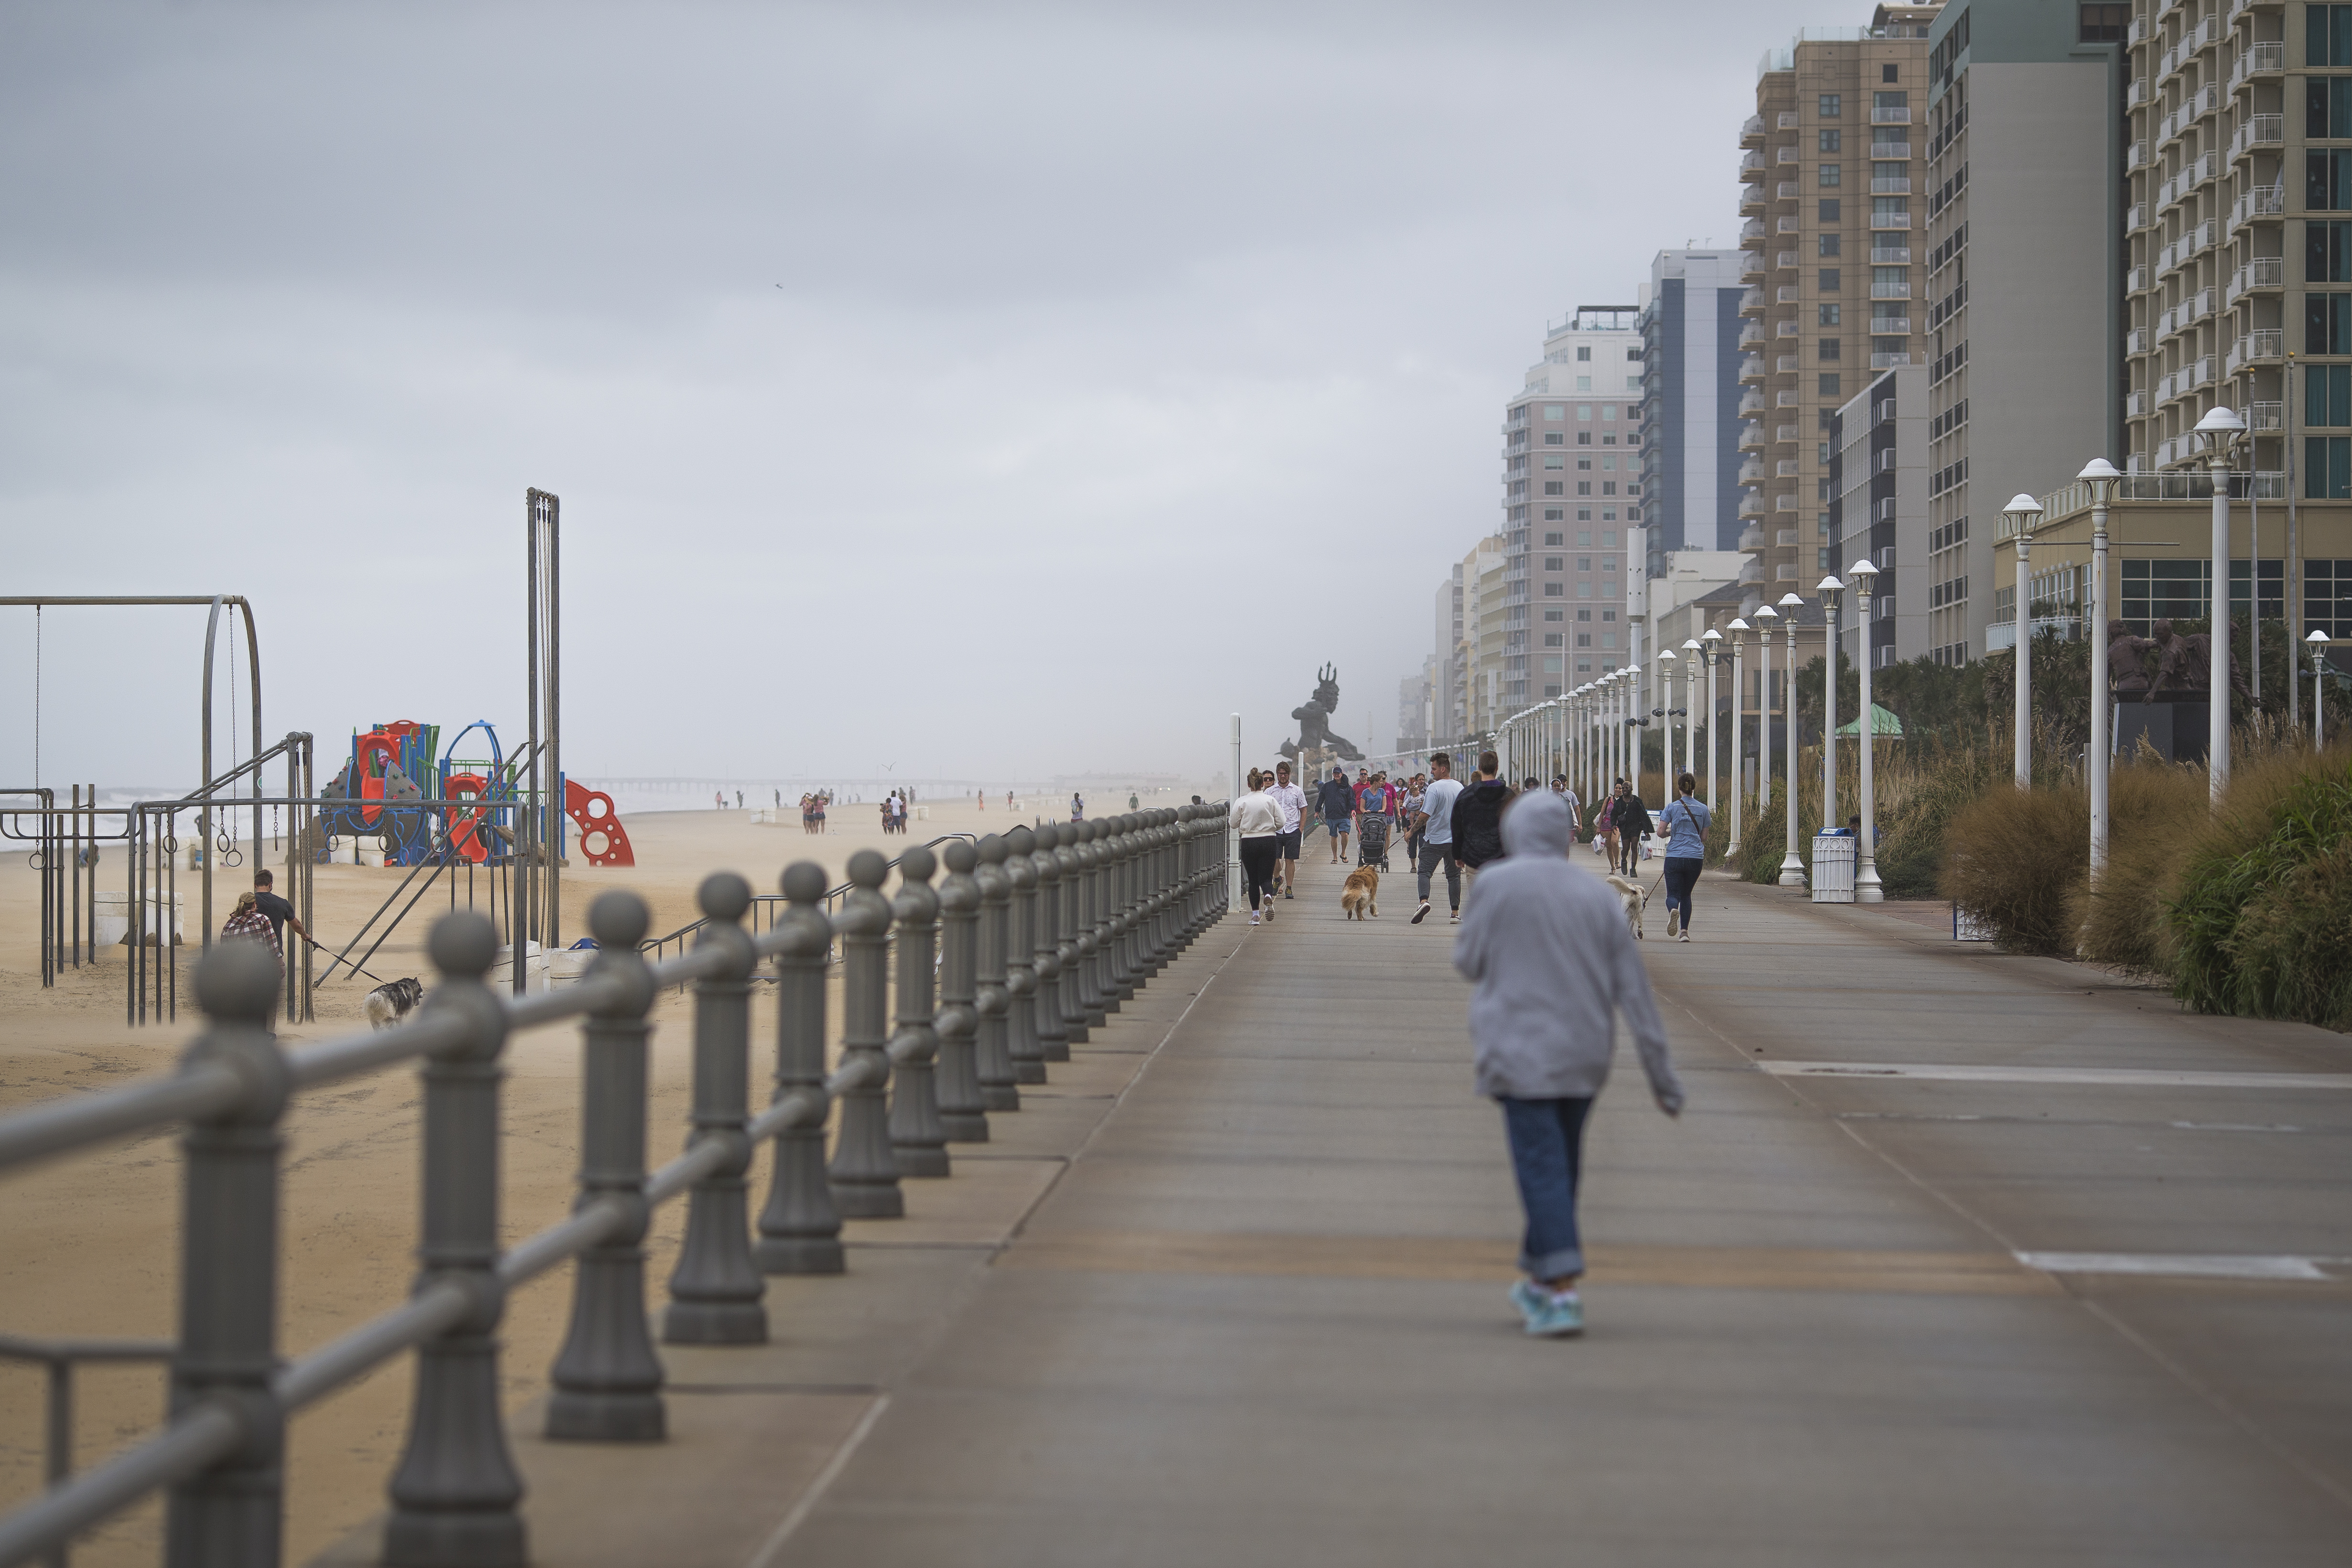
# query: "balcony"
{"type": "Point", "coordinates": [1751, 436]}
{"type": "Point", "coordinates": [1751, 335]}
{"type": "Point", "coordinates": [2135, 94]}
{"type": "Point", "coordinates": [1891, 256]}
{"type": "Point", "coordinates": [1751, 201]}
{"type": "Point", "coordinates": [1751, 369]}
{"type": "Point", "coordinates": [1784, 328]}
{"type": "Point", "coordinates": [2267, 417]}
{"type": "Point", "coordinates": [1788, 120]}
{"type": "Point", "coordinates": [1785, 294]}
{"type": "Point", "coordinates": [1751, 165]}
{"type": "Point", "coordinates": [1751, 539]}
{"type": "Point", "coordinates": [1752, 232]}
{"type": "Point", "coordinates": [2203, 172]}
{"type": "Point", "coordinates": [2136, 156]}
{"type": "Point", "coordinates": [1890, 326]}
{"type": "Point", "coordinates": [1890, 290]}
{"type": "Point", "coordinates": [1785, 155]}
{"type": "Point", "coordinates": [2139, 33]}
{"type": "Point", "coordinates": [2135, 404]}
{"type": "Point", "coordinates": [1785, 191]}
{"type": "Point", "coordinates": [1784, 435]}
{"type": "Point", "coordinates": [1751, 130]}
{"type": "Point", "coordinates": [2199, 375]}
{"type": "Point", "coordinates": [2168, 195]}
{"type": "Point", "coordinates": [2205, 100]}
{"type": "Point", "coordinates": [2136, 217]}
{"type": "Point", "coordinates": [1786, 469]}
{"type": "Point", "coordinates": [1752, 266]}
{"type": "Point", "coordinates": [2264, 59]}
{"type": "Point", "coordinates": [2263, 345]}
{"type": "Point", "coordinates": [2137, 280]}
{"type": "Point", "coordinates": [1891, 185]}
{"type": "Point", "coordinates": [1752, 504]}
{"type": "Point", "coordinates": [2137, 341]}
{"type": "Point", "coordinates": [1888, 150]}
{"type": "Point", "coordinates": [1785, 261]}
{"type": "Point", "coordinates": [1752, 303]}
{"type": "Point", "coordinates": [1788, 225]}
{"type": "Point", "coordinates": [1889, 361]}
{"type": "Point", "coordinates": [1751, 404]}
{"type": "Point", "coordinates": [1786, 398]}
{"type": "Point", "coordinates": [2167, 260]}
{"type": "Point", "coordinates": [1752, 472]}
{"type": "Point", "coordinates": [2264, 273]}
{"type": "Point", "coordinates": [2265, 130]}
{"type": "Point", "coordinates": [1881, 221]}
{"type": "Point", "coordinates": [1784, 503]}
{"type": "Point", "coordinates": [1890, 117]}
{"type": "Point", "coordinates": [1786, 364]}
{"type": "Point", "coordinates": [2169, 324]}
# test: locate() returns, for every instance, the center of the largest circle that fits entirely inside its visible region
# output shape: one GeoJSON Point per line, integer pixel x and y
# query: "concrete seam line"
{"type": "Point", "coordinates": [766, 1555]}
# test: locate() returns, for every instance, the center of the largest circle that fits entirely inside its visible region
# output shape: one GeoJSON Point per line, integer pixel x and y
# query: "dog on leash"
{"type": "Point", "coordinates": [1632, 895]}
{"type": "Point", "coordinates": [1361, 892]}
{"type": "Point", "coordinates": [388, 1003]}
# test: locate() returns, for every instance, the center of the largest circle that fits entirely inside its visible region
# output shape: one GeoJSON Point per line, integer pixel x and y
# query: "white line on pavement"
{"type": "Point", "coordinates": [2207, 1266]}
{"type": "Point", "coordinates": [2118, 1077]}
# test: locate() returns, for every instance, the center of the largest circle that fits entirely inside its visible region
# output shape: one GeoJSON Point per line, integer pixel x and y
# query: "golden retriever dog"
{"type": "Point", "coordinates": [1362, 892]}
{"type": "Point", "coordinates": [1632, 895]}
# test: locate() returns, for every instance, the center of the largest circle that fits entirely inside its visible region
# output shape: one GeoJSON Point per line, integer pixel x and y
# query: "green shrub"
{"type": "Point", "coordinates": [2153, 809]}
{"type": "Point", "coordinates": [2013, 858]}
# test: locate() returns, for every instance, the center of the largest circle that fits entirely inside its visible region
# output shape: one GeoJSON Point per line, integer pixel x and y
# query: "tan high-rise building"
{"type": "Point", "coordinates": [1829, 174]}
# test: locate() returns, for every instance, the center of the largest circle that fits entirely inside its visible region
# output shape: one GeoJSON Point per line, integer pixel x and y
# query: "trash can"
{"type": "Point", "coordinates": [1833, 867]}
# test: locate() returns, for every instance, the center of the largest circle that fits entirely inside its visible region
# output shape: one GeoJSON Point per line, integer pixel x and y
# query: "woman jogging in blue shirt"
{"type": "Point", "coordinates": [1684, 823]}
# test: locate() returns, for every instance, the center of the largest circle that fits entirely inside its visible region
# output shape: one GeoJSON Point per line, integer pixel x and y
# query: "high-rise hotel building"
{"type": "Point", "coordinates": [1572, 480]}
{"type": "Point", "coordinates": [1690, 402]}
{"type": "Point", "coordinates": [1831, 198]}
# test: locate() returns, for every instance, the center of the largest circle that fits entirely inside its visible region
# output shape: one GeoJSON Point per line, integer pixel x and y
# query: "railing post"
{"type": "Point", "coordinates": [1093, 857]}
{"type": "Point", "coordinates": [1053, 1040]}
{"type": "Point", "coordinates": [1065, 946]}
{"type": "Point", "coordinates": [1167, 878]}
{"type": "Point", "coordinates": [918, 1137]}
{"type": "Point", "coordinates": [864, 1174]}
{"type": "Point", "coordinates": [607, 1380]}
{"type": "Point", "coordinates": [963, 1108]}
{"type": "Point", "coordinates": [1119, 973]}
{"type": "Point", "coordinates": [800, 1230]}
{"type": "Point", "coordinates": [999, 1090]}
{"type": "Point", "coordinates": [231, 1515]}
{"type": "Point", "coordinates": [715, 1291]}
{"type": "Point", "coordinates": [454, 1496]}
{"type": "Point", "coordinates": [1186, 911]}
{"type": "Point", "coordinates": [1022, 1044]}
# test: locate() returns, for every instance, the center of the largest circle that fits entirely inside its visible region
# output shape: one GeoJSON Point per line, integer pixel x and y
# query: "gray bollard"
{"type": "Point", "coordinates": [1052, 1039]}
{"type": "Point", "coordinates": [232, 1512]}
{"type": "Point", "coordinates": [1021, 1041]}
{"type": "Point", "coordinates": [963, 1108]}
{"type": "Point", "coordinates": [917, 1138]}
{"type": "Point", "coordinates": [1118, 915]}
{"type": "Point", "coordinates": [607, 1380]}
{"type": "Point", "coordinates": [1138, 941]}
{"type": "Point", "coordinates": [999, 1087]}
{"type": "Point", "coordinates": [800, 1230]}
{"type": "Point", "coordinates": [455, 1493]}
{"type": "Point", "coordinates": [1065, 946]}
{"type": "Point", "coordinates": [863, 1173]}
{"type": "Point", "coordinates": [1088, 935]}
{"type": "Point", "coordinates": [716, 1289]}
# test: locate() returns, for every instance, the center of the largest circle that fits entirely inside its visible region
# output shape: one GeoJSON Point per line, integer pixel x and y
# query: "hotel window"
{"type": "Point", "coordinates": [1829, 348]}
{"type": "Point", "coordinates": [1555, 639]}
{"type": "Point", "coordinates": [1585, 564]}
{"type": "Point", "coordinates": [1584, 639]}
{"type": "Point", "coordinates": [1828, 314]}
{"type": "Point", "coordinates": [1554, 514]}
{"type": "Point", "coordinates": [2327, 181]}
{"type": "Point", "coordinates": [1584, 355]}
{"type": "Point", "coordinates": [1555, 615]}
{"type": "Point", "coordinates": [1584, 465]}
{"type": "Point", "coordinates": [1831, 104]}
{"type": "Point", "coordinates": [2327, 324]}
{"type": "Point", "coordinates": [1552, 562]}
{"type": "Point", "coordinates": [1552, 412]}
{"type": "Point", "coordinates": [2328, 394]}
{"type": "Point", "coordinates": [1555, 438]}
{"type": "Point", "coordinates": [1584, 411]}
{"type": "Point", "coordinates": [1829, 244]}
{"type": "Point", "coordinates": [1552, 591]}
{"type": "Point", "coordinates": [1584, 539]}
{"type": "Point", "coordinates": [1831, 140]}
{"type": "Point", "coordinates": [1584, 437]}
{"type": "Point", "coordinates": [1583, 487]}
{"type": "Point", "coordinates": [1583, 383]}
{"type": "Point", "coordinates": [1608, 486]}
{"type": "Point", "coordinates": [1829, 384]}
{"type": "Point", "coordinates": [1608, 514]}
{"type": "Point", "coordinates": [1584, 514]}
{"type": "Point", "coordinates": [1584, 615]}
{"type": "Point", "coordinates": [2328, 253]}
{"type": "Point", "coordinates": [1831, 281]}
{"type": "Point", "coordinates": [1584, 590]}
{"type": "Point", "coordinates": [1608, 564]}
{"type": "Point", "coordinates": [1554, 539]}
{"type": "Point", "coordinates": [2327, 36]}
{"type": "Point", "coordinates": [2326, 468]}
{"type": "Point", "coordinates": [2328, 107]}
{"type": "Point", "coordinates": [1554, 460]}
{"type": "Point", "coordinates": [1830, 210]}
{"type": "Point", "coordinates": [1829, 174]}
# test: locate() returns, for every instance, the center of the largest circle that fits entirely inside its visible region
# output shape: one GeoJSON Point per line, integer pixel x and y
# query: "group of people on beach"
{"type": "Point", "coordinates": [893, 813]}
{"type": "Point", "coordinates": [813, 807]}
{"type": "Point", "coordinates": [1547, 948]}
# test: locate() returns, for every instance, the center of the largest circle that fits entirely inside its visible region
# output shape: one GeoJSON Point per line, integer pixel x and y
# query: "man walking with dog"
{"type": "Point", "coordinates": [1554, 965]}
{"type": "Point", "coordinates": [279, 914]}
{"type": "Point", "coordinates": [1435, 823]}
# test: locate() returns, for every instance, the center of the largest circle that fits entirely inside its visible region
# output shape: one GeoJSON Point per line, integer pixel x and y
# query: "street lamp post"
{"type": "Point", "coordinates": [1694, 654]}
{"type": "Point", "coordinates": [1666, 662]}
{"type": "Point", "coordinates": [2317, 642]}
{"type": "Point", "coordinates": [1765, 616]}
{"type": "Point", "coordinates": [2023, 512]}
{"type": "Point", "coordinates": [1738, 629]}
{"type": "Point", "coordinates": [1829, 588]}
{"type": "Point", "coordinates": [2101, 475]}
{"type": "Point", "coordinates": [2222, 428]}
{"type": "Point", "coordinates": [1866, 886]}
{"type": "Point", "coordinates": [1792, 865]}
{"type": "Point", "coordinates": [1714, 641]}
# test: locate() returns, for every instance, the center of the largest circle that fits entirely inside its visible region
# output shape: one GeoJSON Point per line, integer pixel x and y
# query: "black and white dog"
{"type": "Point", "coordinates": [387, 1004]}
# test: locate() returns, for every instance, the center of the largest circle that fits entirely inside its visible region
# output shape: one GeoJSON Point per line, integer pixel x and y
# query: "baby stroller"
{"type": "Point", "coordinates": [1373, 842]}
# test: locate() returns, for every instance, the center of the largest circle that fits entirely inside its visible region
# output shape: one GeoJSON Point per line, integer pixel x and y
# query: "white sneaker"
{"type": "Point", "coordinates": [1253, 917]}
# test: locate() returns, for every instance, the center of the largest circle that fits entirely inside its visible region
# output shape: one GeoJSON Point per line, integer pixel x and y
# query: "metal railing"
{"type": "Point", "coordinates": [1042, 932]}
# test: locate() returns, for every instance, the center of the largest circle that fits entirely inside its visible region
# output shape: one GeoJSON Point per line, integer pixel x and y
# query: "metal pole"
{"type": "Point", "coordinates": [2099, 760]}
{"type": "Point", "coordinates": [1738, 731]}
{"type": "Point", "coordinates": [919, 1141]}
{"type": "Point", "coordinates": [2216, 731]}
{"type": "Point", "coordinates": [455, 1493]}
{"type": "Point", "coordinates": [231, 1514]}
{"type": "Point", "coordinates": [2294, 563]}
{"type": "Point", "coordinates": [1792, 865]}
{"type": "Point", "coordinates": [1027, 1055]}
{"type": "Point", "coordinates": [716, 1289]}
{"type": "Point", "coordinates": [2024, 661]}
{"type": "Point", "coordinates": [1066, 945]}
{"type": "Point", "coordinates": [1868, 888]}
{"type": "Point", "coordinates": [865, 1170]}
{"type": "Point", "coordinates": [1052, 1039]}
{"type": "Point", "coordinates": [800, 1230]}
{"type": "Point", "coordinates": [607, 1380]}
{"type": "Point", "coordinates": [962, 1102]}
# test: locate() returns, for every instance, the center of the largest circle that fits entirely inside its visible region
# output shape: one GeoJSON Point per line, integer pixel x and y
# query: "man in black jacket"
{"type": "Point", "coordinates": [1632, 821]}
{"type": "Point", "coordinates": [1478, 819]}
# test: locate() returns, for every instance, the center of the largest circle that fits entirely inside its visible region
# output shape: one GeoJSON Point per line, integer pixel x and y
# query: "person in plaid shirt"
{"type": "Point", "coordinates": [248, 923]}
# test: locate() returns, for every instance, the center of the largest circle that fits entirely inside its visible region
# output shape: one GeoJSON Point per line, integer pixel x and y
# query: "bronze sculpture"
{"type": "Point", "coordinates": [1314, 718]}
{"type": "Point", "coordinates": [2126, 664]}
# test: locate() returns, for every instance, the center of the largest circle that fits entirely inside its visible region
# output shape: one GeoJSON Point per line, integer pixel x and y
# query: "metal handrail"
{"type": "Point", "coordinates": [1057, 927]}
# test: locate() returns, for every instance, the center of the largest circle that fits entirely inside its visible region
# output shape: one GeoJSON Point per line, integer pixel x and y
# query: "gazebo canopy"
{"type": "Point", "coordinates": [1883, 726]}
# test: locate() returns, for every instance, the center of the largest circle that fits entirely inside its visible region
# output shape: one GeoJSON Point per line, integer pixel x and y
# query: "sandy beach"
{"type": "Point", "coordinates": [88, 1242]}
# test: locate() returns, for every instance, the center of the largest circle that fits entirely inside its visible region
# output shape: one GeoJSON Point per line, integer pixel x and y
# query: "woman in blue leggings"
{"type": "Point", "coordinates": [1684, 825]}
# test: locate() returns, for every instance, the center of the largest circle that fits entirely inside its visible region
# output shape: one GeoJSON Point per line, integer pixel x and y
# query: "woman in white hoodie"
{"type": "Point", "coordinates": [1258, 820]}
{"type": "Point", "coordinates": [1553, 959]}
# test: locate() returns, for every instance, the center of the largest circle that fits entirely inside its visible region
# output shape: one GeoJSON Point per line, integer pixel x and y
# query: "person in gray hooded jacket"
{"type": "Point", "coordinates": [1554, 963]}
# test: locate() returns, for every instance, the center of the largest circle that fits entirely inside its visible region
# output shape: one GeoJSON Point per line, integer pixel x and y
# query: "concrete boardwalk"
{"type": "Point", "coordinates": [2042, 1272]}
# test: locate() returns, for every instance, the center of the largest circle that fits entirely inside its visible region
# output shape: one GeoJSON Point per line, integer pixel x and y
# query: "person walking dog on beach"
{"type": "Point", "coordinates": [1549, 948]}
{"type": "Point", "coordinates": [1684, 823]}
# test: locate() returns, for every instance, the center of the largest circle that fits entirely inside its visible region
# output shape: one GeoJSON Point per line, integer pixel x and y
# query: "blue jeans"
{"type": "Point", "coordinates": [1547, 1153]}
{"type": "Point", "coordinates": [1682, 876]}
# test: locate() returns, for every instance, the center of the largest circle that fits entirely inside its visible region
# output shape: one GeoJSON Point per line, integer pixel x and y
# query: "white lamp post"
{"type": "Point", "coordinates": [2101, 475]}
{"type": "Point", "coordinates": [1666, 662]}
{"type": "Point", "coordinates": [1694, 654]}
{"type": "Point", "coordinates": [2222, 428]}
{"type": "Point", "coordinates": [1714, 641]}
{"type": "Point", "coordinates": [1792, 865]}
{"type": "Point", "coordinates": [1738, 629]}
{"type": "Point", "coordinates": [1829, 588]}
{"type": "Point", "coordinates": [2317, 642]}
{"type": "Point", "coordinates": [2023, 512]}
{"type": "Point", "coordinates": [1765, 616]}
{"type": "Point", "coordinates": [1866, 888]}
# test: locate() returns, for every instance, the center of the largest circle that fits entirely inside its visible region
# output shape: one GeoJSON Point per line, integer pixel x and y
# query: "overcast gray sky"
{"type": "Point", "coordinates": [978, 389]}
